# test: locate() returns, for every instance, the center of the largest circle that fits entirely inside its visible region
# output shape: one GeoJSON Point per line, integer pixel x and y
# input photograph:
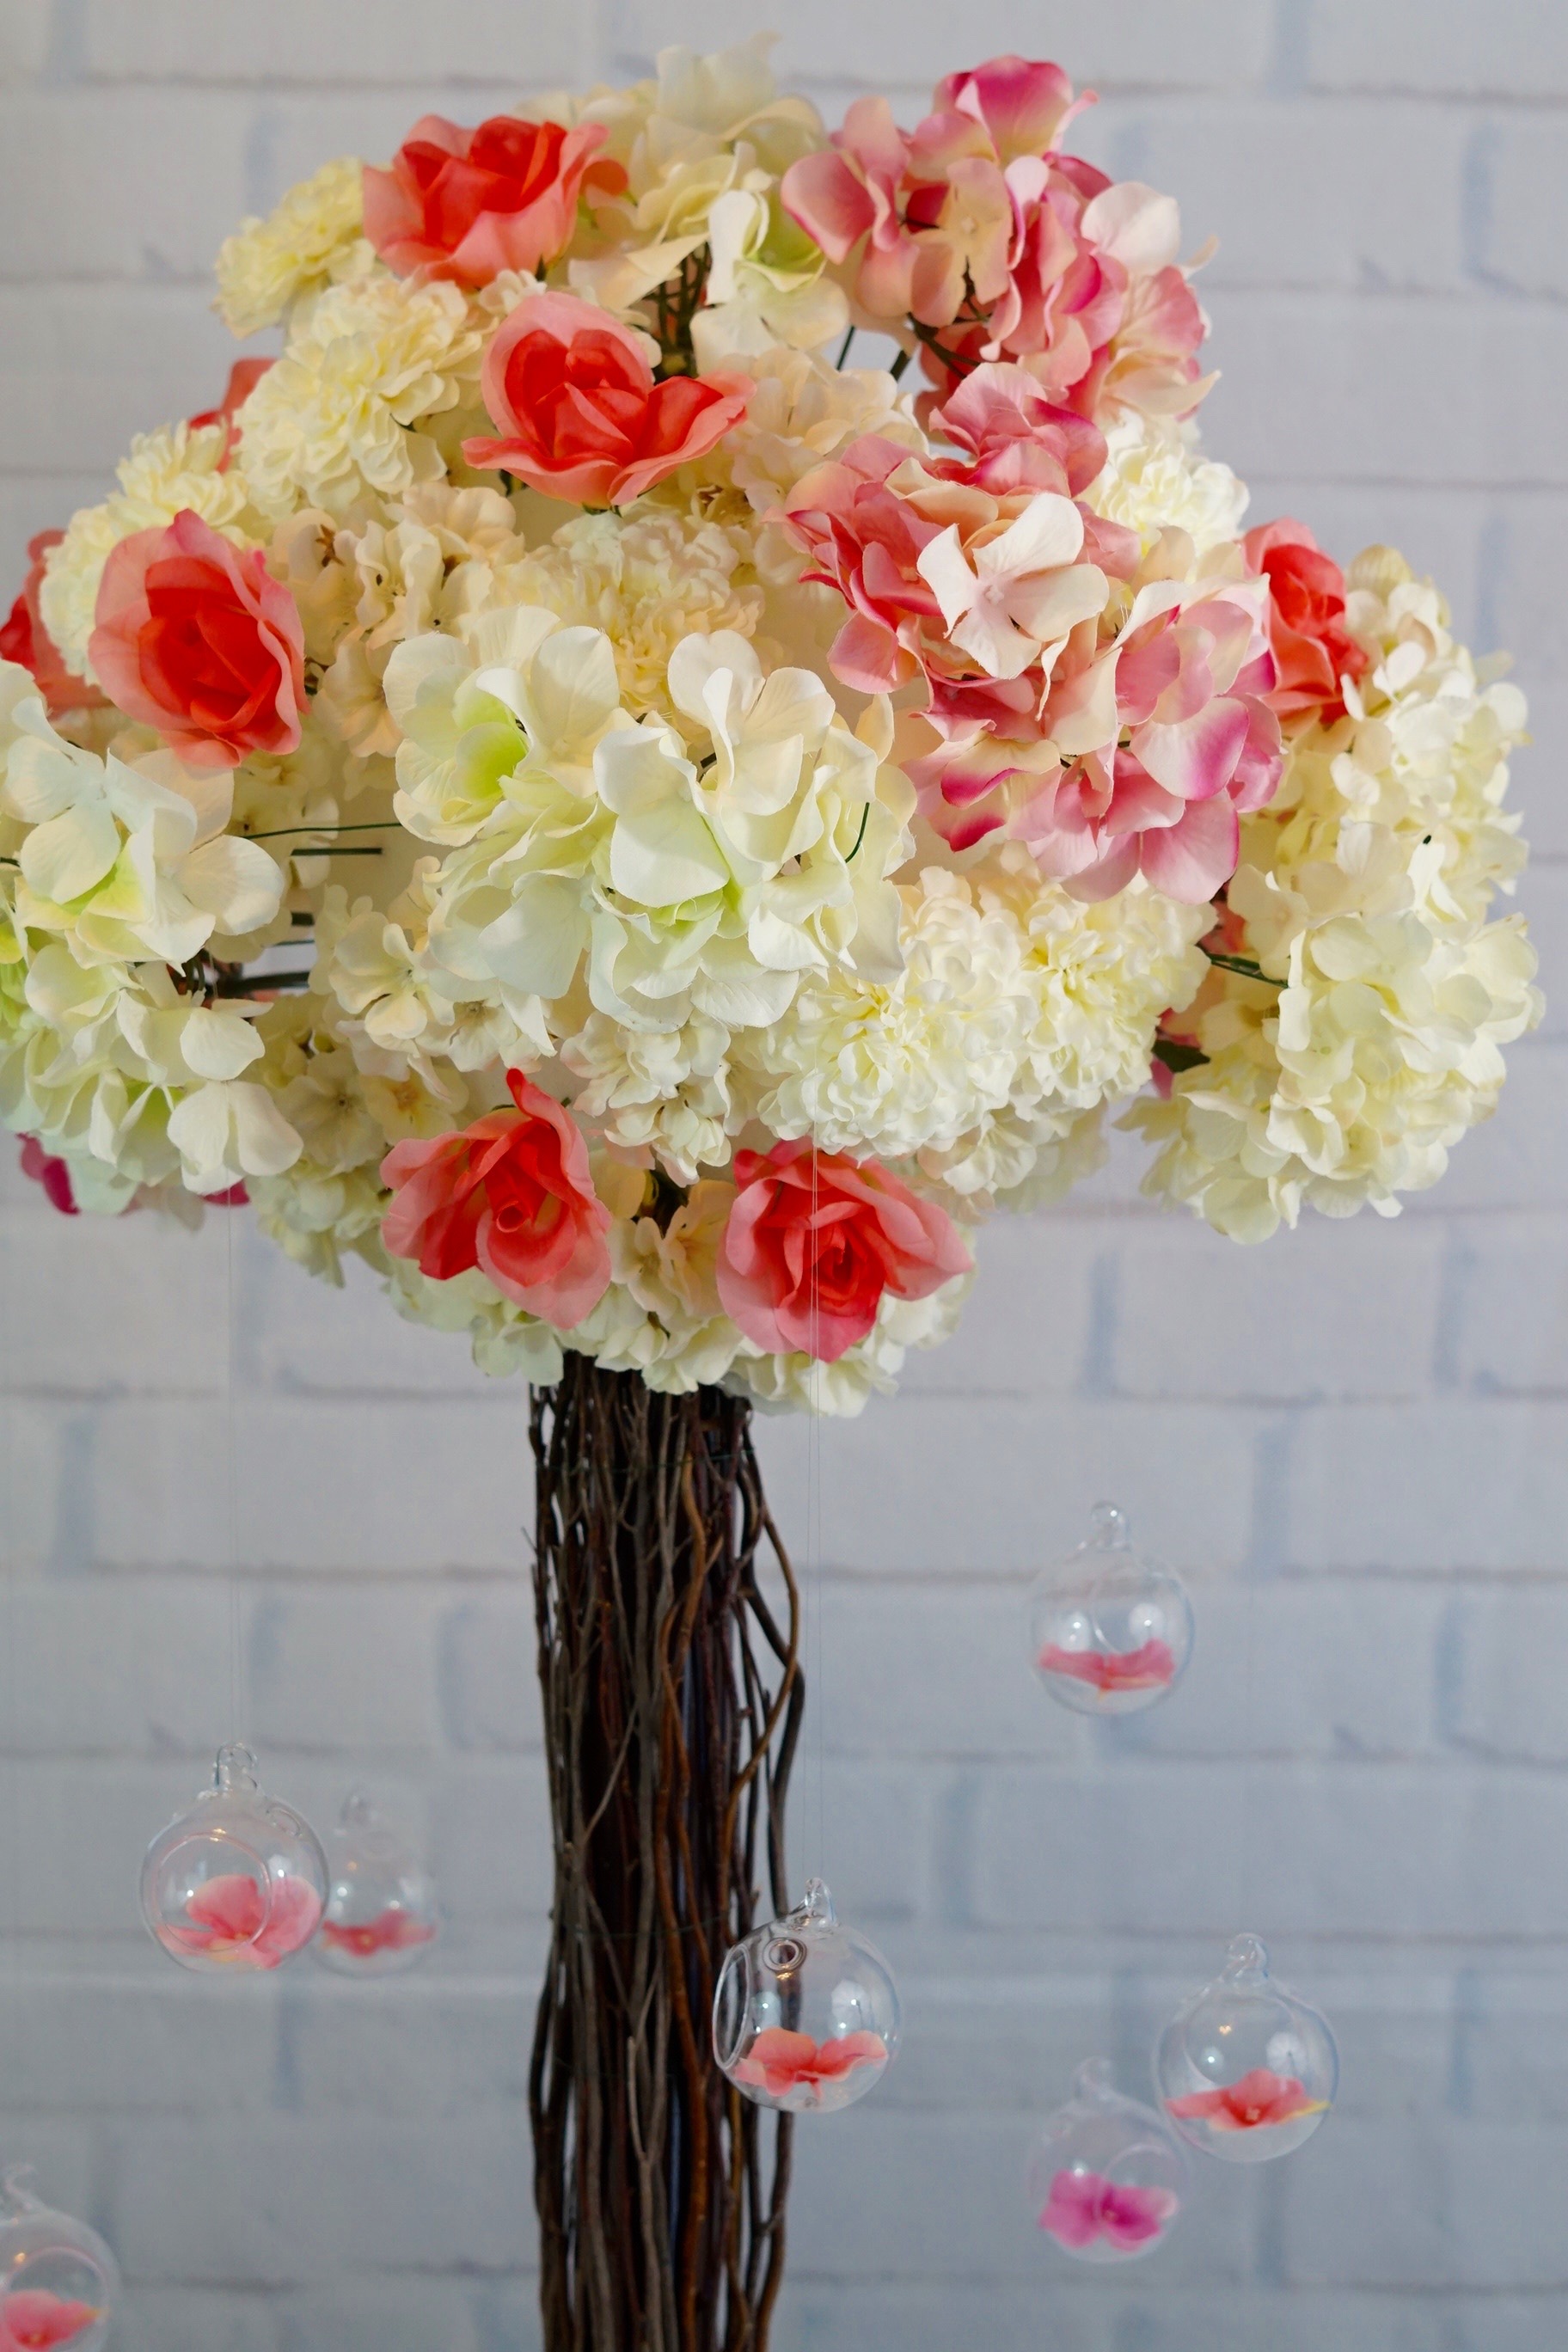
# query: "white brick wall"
{"type": "Point", "coordinates": [1353, 1442]}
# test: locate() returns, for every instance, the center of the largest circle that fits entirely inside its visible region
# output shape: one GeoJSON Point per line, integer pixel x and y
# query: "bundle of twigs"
{"type": "Point", "coordinates": [672, 1703]}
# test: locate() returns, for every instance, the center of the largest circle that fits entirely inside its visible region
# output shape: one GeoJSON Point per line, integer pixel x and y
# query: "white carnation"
{"type": "Point", "coordinates": [368, 360]}
{"type": "Point", "coordinates": [1154, 479]}
{"type": "Point", "coordinates": [312, 238]}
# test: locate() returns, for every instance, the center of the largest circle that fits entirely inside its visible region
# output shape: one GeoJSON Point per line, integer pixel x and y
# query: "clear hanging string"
{"type": "Point", "coordinates": [815, 1557]}
{"type": "Point", "coordinates": [236, 1628]}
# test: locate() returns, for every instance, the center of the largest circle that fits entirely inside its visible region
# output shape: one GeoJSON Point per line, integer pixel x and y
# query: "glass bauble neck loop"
{"type": "Point", "coordinates": [1108, 1528]}
{"type": "Point", "coordinates": [1246, 1961]}
{"type": "Point", "coordinates": [19, 2191]}
{"type": "Point", "coordinates": [235, 1773]}
{"type": "Point", "coordinates": [1095, 2080]}
{"type": "Point", "coordinates": [817, 1909]}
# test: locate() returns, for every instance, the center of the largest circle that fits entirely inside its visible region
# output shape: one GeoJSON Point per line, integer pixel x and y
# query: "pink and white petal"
{"type": "Point", "coordinates": [1198, 758]}
{"type": "Point", "coordinates": [1190, 861]}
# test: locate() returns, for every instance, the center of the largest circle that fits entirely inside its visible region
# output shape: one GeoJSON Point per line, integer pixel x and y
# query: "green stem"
{"type": "Point", "coordinates": [1245, 967]}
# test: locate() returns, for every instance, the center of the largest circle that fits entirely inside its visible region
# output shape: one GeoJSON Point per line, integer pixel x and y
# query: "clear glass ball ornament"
{"type": "Point", "coordinates": [237, 1883]}
{"type": "Point", "coordinates": [59, 2284]}
{"type": "Point", "coordinates": [382, 1914]}
{"type": "Point", "coordinates": [1108, 2177]}
{"type": "Point", "coordinates": [1245, 2070]}
{"type": "Point", "coordinates": [805, 2014]}
{"type": "Point", "coordinates": [1110, 1632]}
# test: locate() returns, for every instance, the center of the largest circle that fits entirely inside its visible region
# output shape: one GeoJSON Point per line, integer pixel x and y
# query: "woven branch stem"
{"type": "Point", "coordinates": [672, 1703]}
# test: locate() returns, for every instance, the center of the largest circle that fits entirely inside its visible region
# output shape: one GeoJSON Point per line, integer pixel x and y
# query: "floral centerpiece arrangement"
{"type": "Point", "coordinates": [568, 787]}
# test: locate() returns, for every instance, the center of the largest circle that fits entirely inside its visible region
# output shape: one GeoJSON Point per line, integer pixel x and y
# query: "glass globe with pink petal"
{"type": "Point", "coordinates": [239, 1883]}
{"type": "Point", "coordinates": [1245, 2069]}
{"type": "Point", "coordinates": [806, 2015]}
{"type": "Point", "coordinates": [1108, 2177]}
{"type": "Point", "coordinates": [59, 2285]}
{"type": "Point", "coordinates": [1110, 1632]}
{"type": "Point", "coordinates": [382, 1914]}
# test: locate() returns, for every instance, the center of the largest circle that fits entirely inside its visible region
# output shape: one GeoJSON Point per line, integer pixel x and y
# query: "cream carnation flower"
{"type": "Point", "coordinates": [1154, 479]}
{"type": "Point", "coordinates": [370, 360]}
{"type": "Point", "coordinates": [648, 580]}
{"type": "Point", "coordinates": [313, 239]}
{"type": "Point", "coordinates": [893, 1066]}
{"type": "Point", "coordinates": [166, 472]}
{"type": "Point", "coordinates": [803, 412]}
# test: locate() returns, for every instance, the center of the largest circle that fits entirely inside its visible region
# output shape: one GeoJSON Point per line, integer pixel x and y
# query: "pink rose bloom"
{"type": "Point", "coordinates": [23, 639]}
{"type": "Point", "coordinates": [814, 1240]}
{"type": "Point", "coordinates": [1257, 2100]}
{"type": "Point", "coordinates": [1084, 2207]}
{"type": "Point", "coordinates": [196, 638]}
{"type": "Point", "coordinates": [779, 2062]}
{"type": "Point", "coordinates": [512, 1195]}
{"type": "Point", "coordinates": [243, 378]}
{"type": "Point", "coordinates": [229, 1918]}
{"type": "Point", "coordinates": [578, 413]}
{"type": "Point", "coordinates": [471, 204]}
{"type": "Point", "coordinates": [34, 2320]}
{"type": "Point", "coordinates": [1313, 648]}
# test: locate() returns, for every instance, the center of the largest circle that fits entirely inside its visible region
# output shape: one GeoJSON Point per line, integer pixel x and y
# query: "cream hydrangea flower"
{"type": "Point", "coordinates": [426, 561]}
{"type": "Point", "coordinates": [311, 240]}
{"type": "Point", "coordinates": [368, 360]}
{"type": "Point", "coordinates": [166, 472]}
{"type": "Point", "coordinates": [765, 284]}
{"type": "Point", "coordinates": [664, 1090]}
{"type": "Point", "coordinates": [1156, 479]}
{"type": "Point", "coordinates": [1373, 1043]}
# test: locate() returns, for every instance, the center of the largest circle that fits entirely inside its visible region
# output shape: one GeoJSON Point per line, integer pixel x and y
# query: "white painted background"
{"type": "Point", "coordinates": [1352, 1441]}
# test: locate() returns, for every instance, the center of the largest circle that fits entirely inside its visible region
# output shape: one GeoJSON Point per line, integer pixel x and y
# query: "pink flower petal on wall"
{"type": "Point", "coordinates": [1258, 2099]}
{"type": "Point", "coordinates": [1149, 1667]}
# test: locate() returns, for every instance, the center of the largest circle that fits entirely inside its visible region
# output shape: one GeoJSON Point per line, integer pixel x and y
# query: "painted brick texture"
{"type": "Point", "coordinates": [1351, 1443]}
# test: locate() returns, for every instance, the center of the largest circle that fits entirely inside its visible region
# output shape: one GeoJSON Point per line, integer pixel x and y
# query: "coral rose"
{"type": "Point", "coordinates": [25, 640]}
{"type": "Point", "coordinates": [814, 1239]}
{"type": "Point", "coordinates": [196, 638]}
{"type": "Point", "coordinates": [1313, 649]}
{"type": "Point", "coordinates": [578, 413]}
{"type": "Point", "coordinates": [469, 203]}
{"type": "Point", "coordinates": [512, 1195]}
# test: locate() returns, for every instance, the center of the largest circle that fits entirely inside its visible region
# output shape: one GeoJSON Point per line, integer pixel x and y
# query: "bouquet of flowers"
{"type": "Point", "coordinates": [568, 787]}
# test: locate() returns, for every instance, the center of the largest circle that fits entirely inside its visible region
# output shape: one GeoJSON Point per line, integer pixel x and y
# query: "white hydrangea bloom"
{"type": "Point", "coordinates": [166, 473]}
{"type": "Point", "coordinates": [1348, 1074]}
{"type": "Point", "coordinates": [312, 239]}
{"type": "Point", "coordinates": [366, 362]}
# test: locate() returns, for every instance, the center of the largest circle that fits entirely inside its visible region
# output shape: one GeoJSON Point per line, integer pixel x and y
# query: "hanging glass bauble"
{"type": "Point", "coordinates": [238, 1882]}
{"type": "Point", "coordinates": [1108, 2177]}
{"type": "Point", "coordinates": [806, 2013]}
{"type": "Point", "coordinates": [1109, 1631]}
{"type": "Point", "coordinates": [382, 1914]}
{"type": "Point", "coordinates": [59, 2282]}
{"type": "Point", "coordinates": [1245, 2070]}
